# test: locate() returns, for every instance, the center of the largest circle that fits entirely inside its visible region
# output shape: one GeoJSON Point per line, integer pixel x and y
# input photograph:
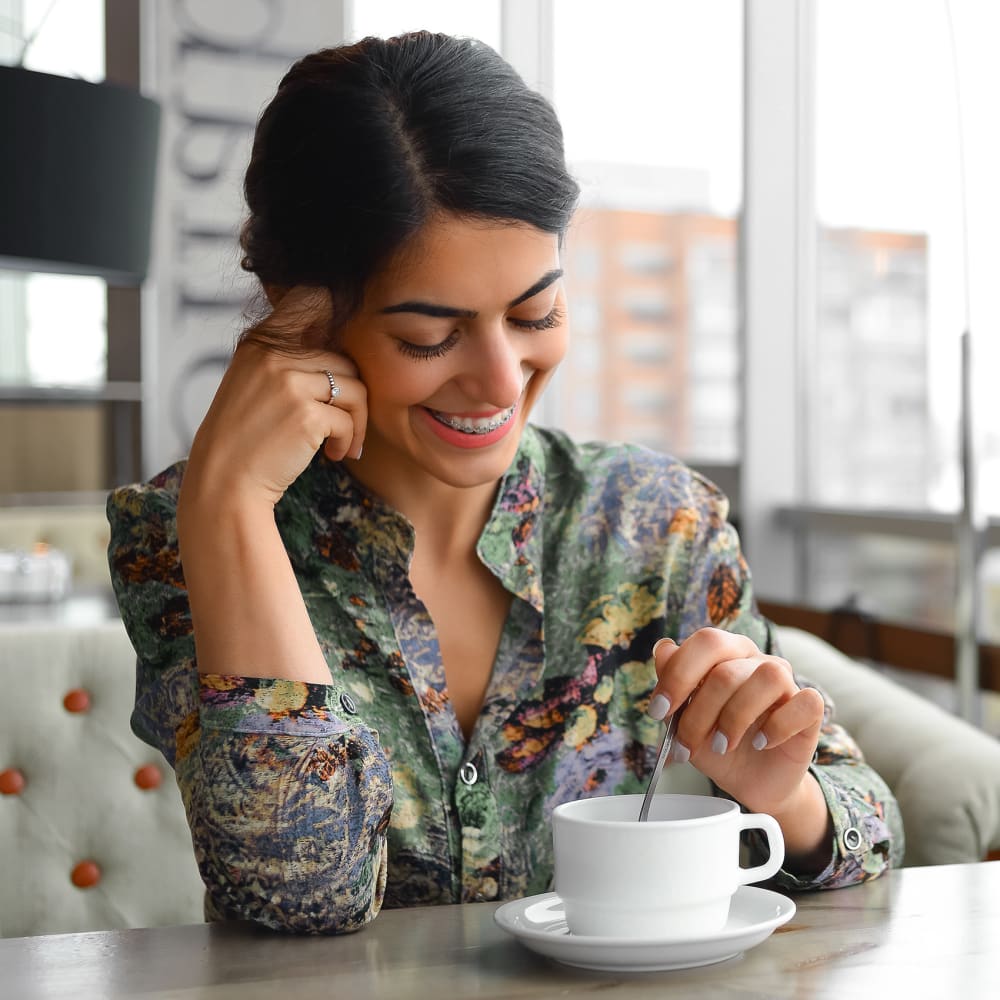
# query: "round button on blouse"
{"type": "Point", "coordinates": [852, 838]}
{"type": "Point", "coordinates": [347, 704]}
{"type": "Point", "coordinates": [468, 773]}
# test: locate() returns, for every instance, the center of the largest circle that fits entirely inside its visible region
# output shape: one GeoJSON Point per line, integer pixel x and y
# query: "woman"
{"type": "Point", "coordinates": [384, 625]}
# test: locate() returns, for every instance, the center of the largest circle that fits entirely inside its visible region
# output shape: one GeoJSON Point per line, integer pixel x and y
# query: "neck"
{"type": "Point", "coordinates": [447, 520]}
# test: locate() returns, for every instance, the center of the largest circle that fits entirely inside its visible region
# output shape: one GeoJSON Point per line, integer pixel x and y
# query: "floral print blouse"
{"type": "Point", "coordinates": [311, 806]}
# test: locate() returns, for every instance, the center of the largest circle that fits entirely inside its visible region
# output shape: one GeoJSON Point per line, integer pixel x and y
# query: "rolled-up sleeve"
{"type": "Point", "coordinates": [288, 804]}
{"type": "Point", "coordinates": [288, 793]}
{"type": "Point", "coordinates": [867, 825]}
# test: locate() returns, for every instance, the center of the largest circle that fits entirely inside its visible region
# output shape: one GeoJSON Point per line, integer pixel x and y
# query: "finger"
{"type": "Point", "coordinates": [720, 686]}
{"type": "Point", "coordinates": [334, 427]}
{"type": "Point", "coordinates": [663, 649]}
{"type": "Point", "coordinates": [688, 666]}
{"type": "Point", "coordinates": [767, 685]}
{"type": "Point", "coordinates": [338, 440]}
{"type": "Point", "coordinates": [336, 388]}
{"type": "Point", "coordinates": [339, 386]}
{"type": "Point", "coordinates": [800, 715]}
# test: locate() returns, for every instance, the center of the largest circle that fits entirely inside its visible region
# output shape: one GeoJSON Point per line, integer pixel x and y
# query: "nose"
{"type": "Point", "coordinates": [494, 374]}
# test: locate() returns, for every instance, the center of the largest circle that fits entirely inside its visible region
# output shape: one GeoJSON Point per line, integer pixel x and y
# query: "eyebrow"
{"type": "Point", "coordinates": [452, 312]}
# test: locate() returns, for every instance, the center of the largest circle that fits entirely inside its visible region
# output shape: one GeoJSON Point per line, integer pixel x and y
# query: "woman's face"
{"type": "Point", "coordinates": [455, 343]}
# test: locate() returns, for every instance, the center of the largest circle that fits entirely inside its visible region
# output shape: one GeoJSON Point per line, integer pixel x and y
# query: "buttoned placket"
{"type": "Point", "coordinates": [476, 807]}
{"type": "Point", "coordinates": [474, 813]}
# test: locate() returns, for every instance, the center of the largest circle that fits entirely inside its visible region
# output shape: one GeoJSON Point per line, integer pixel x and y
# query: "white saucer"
{"type": "Point", "coordinates": [539, 924]}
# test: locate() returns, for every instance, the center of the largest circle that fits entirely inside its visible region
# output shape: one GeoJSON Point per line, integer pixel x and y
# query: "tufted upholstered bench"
{"type": "Point", "coordinates": [92, 827]}
{"type": "Point", "coordinates": [87, 846]}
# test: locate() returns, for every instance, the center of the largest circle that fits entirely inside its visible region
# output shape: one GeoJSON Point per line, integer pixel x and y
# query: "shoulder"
{"type": "Point", "coordinates": [143, 537]}
{"type": "Point", "coordinates": [137, 508]}
{"type": "Point", "coordinates": [160, 491]}
{"type": "Point", "coordinates": [626, 477]}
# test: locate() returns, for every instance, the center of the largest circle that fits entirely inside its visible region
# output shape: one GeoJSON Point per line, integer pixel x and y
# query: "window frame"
{"type": "Point", "coordinates": [779, 252]}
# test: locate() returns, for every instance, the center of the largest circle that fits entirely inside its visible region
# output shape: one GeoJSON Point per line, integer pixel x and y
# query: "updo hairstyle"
{"type": "Point", "coordinates": [363, 143]}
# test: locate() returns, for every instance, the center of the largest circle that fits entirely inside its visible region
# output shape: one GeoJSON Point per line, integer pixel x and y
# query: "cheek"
{"type": "Point", "coordinates": [550, 349]}
{"type": "Point", "coordinates": [397, 383]}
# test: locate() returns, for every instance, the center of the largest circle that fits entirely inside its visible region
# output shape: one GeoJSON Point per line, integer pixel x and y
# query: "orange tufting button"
{"type": "Point", "coordinates": [86, 874]}
{"type": "Point", "coordinates": [11, 782]}
{"type": "Point", "coordinates": [148, 777]}
{"type": "Point", "coordinates": [77, 700]}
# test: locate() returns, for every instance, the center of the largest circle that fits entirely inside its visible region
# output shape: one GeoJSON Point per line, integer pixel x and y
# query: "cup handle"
{"type": "Point", "coordinates": [775, 844]}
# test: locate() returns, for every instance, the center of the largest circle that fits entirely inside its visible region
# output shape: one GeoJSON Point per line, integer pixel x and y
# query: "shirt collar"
{"type": "Point", "coordinates": [354, 528]}
{"type": "Point", "coordinates": [511, 543]}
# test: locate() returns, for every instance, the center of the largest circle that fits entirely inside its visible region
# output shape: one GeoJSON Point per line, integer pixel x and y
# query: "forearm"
{"type": "Point", "coordinates": [246, 607]}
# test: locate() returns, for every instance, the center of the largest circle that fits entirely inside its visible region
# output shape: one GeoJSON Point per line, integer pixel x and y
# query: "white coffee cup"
{"type": "Point", "coordinates": [671, 877]}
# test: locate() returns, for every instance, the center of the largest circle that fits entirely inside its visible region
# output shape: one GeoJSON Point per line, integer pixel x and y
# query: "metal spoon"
{"type": "Point", "coordinates": [661, 758]}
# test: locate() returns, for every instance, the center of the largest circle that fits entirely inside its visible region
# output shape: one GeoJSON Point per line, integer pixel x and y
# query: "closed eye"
{"type": "Point", "coordinates": [426, 352]}
{"type": "Point", "coordinates": [549, 322]}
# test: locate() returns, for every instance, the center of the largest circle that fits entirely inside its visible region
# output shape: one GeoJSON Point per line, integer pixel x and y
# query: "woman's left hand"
{"type": "Point", "coordinates": [748, 726]}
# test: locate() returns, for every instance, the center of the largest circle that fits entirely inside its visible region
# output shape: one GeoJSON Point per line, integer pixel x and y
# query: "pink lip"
{"type": "Point", "coordinates": [460, 440]}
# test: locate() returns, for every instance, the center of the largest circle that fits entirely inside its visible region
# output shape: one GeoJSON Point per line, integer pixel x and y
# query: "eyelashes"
{"type": "Point", "coordinates": [423, 353]}
{"type": "Point", "coordinates": [554, 318]}
{"type": "Point", "coordinates": [427, 353]}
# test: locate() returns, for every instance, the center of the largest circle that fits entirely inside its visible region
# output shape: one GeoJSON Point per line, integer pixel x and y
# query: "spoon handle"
{"type": "Point", "coordinates": [661, 758]}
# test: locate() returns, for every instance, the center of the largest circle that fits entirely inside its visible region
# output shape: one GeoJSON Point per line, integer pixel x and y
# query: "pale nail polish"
{"type": "Point", "coordinates": [660, 642]}
{"type": "Point", "coordinates": [759, 741]}
{"type": "Point", "coordinates": [658, 707]}
{"type": "Point", "coordinates": [681, 754]}
{"type": "Point", "coordinates": [720, 742]}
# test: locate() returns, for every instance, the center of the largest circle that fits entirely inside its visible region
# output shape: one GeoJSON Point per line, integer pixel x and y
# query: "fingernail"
{"type": "Point", "coordinates": [660, 642]}
{"type": "Point", "coordinates": [759, 741]}
{"type": "Point", "coordinates": [681, 754]}
{"type": "Point", "coordinates": [658, 707]}
{"type": "Point", "coordinates": [720, 742]}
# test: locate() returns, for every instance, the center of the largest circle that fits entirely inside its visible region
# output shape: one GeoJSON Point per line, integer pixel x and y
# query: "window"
{"type": "Point", "coordinates": [655, 241]}
{"type": "Point", "coordinates": [53, 353]}
{"type": "Point", "coordinates": [869, 173]}
{"type": "Point", "coordinates": [890, 283]}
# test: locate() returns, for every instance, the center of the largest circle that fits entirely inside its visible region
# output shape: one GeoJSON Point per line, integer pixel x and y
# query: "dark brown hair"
{"type": "Point", "coordinates": [361, 144]}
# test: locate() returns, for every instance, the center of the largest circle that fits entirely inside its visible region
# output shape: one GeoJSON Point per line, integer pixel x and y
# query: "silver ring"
{"type": "Point", "coordinates": [334, 388]}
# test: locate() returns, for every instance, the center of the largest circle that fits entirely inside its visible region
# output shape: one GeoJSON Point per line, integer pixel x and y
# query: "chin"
{"type": "Point", "coordinates": [480, 470]}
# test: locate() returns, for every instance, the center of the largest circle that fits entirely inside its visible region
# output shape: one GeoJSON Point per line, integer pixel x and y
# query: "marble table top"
{"type": "Point", "coordinates": [914, 933]}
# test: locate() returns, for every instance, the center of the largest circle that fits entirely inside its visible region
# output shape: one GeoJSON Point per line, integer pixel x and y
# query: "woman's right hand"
{"type": "Point", "coordinates": [272, 412]}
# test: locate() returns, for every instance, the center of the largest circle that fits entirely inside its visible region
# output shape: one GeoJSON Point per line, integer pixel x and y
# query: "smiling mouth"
{"type": "Point", "coordinates": [474, 425]}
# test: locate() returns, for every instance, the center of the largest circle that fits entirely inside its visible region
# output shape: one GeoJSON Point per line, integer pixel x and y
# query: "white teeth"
{"type": "Point", "coordinates": [468, 425]}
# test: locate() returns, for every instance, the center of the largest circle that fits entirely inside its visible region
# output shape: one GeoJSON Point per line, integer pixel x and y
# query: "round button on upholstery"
{"type": "Point", "coordinates": [148, 777]}
{"type": "Point", "coordinates": [852, 838]}
{"type": "Point", "coordinates": [468, 773]}
{"type": "Point", "coordinates": [11, 782]}
{"type": "Point", "coordinates": [347, 704]}
{"type": "Point", "coordinates": [85, 875]}
{"type": "Point", "coordinates": [77, 700]}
